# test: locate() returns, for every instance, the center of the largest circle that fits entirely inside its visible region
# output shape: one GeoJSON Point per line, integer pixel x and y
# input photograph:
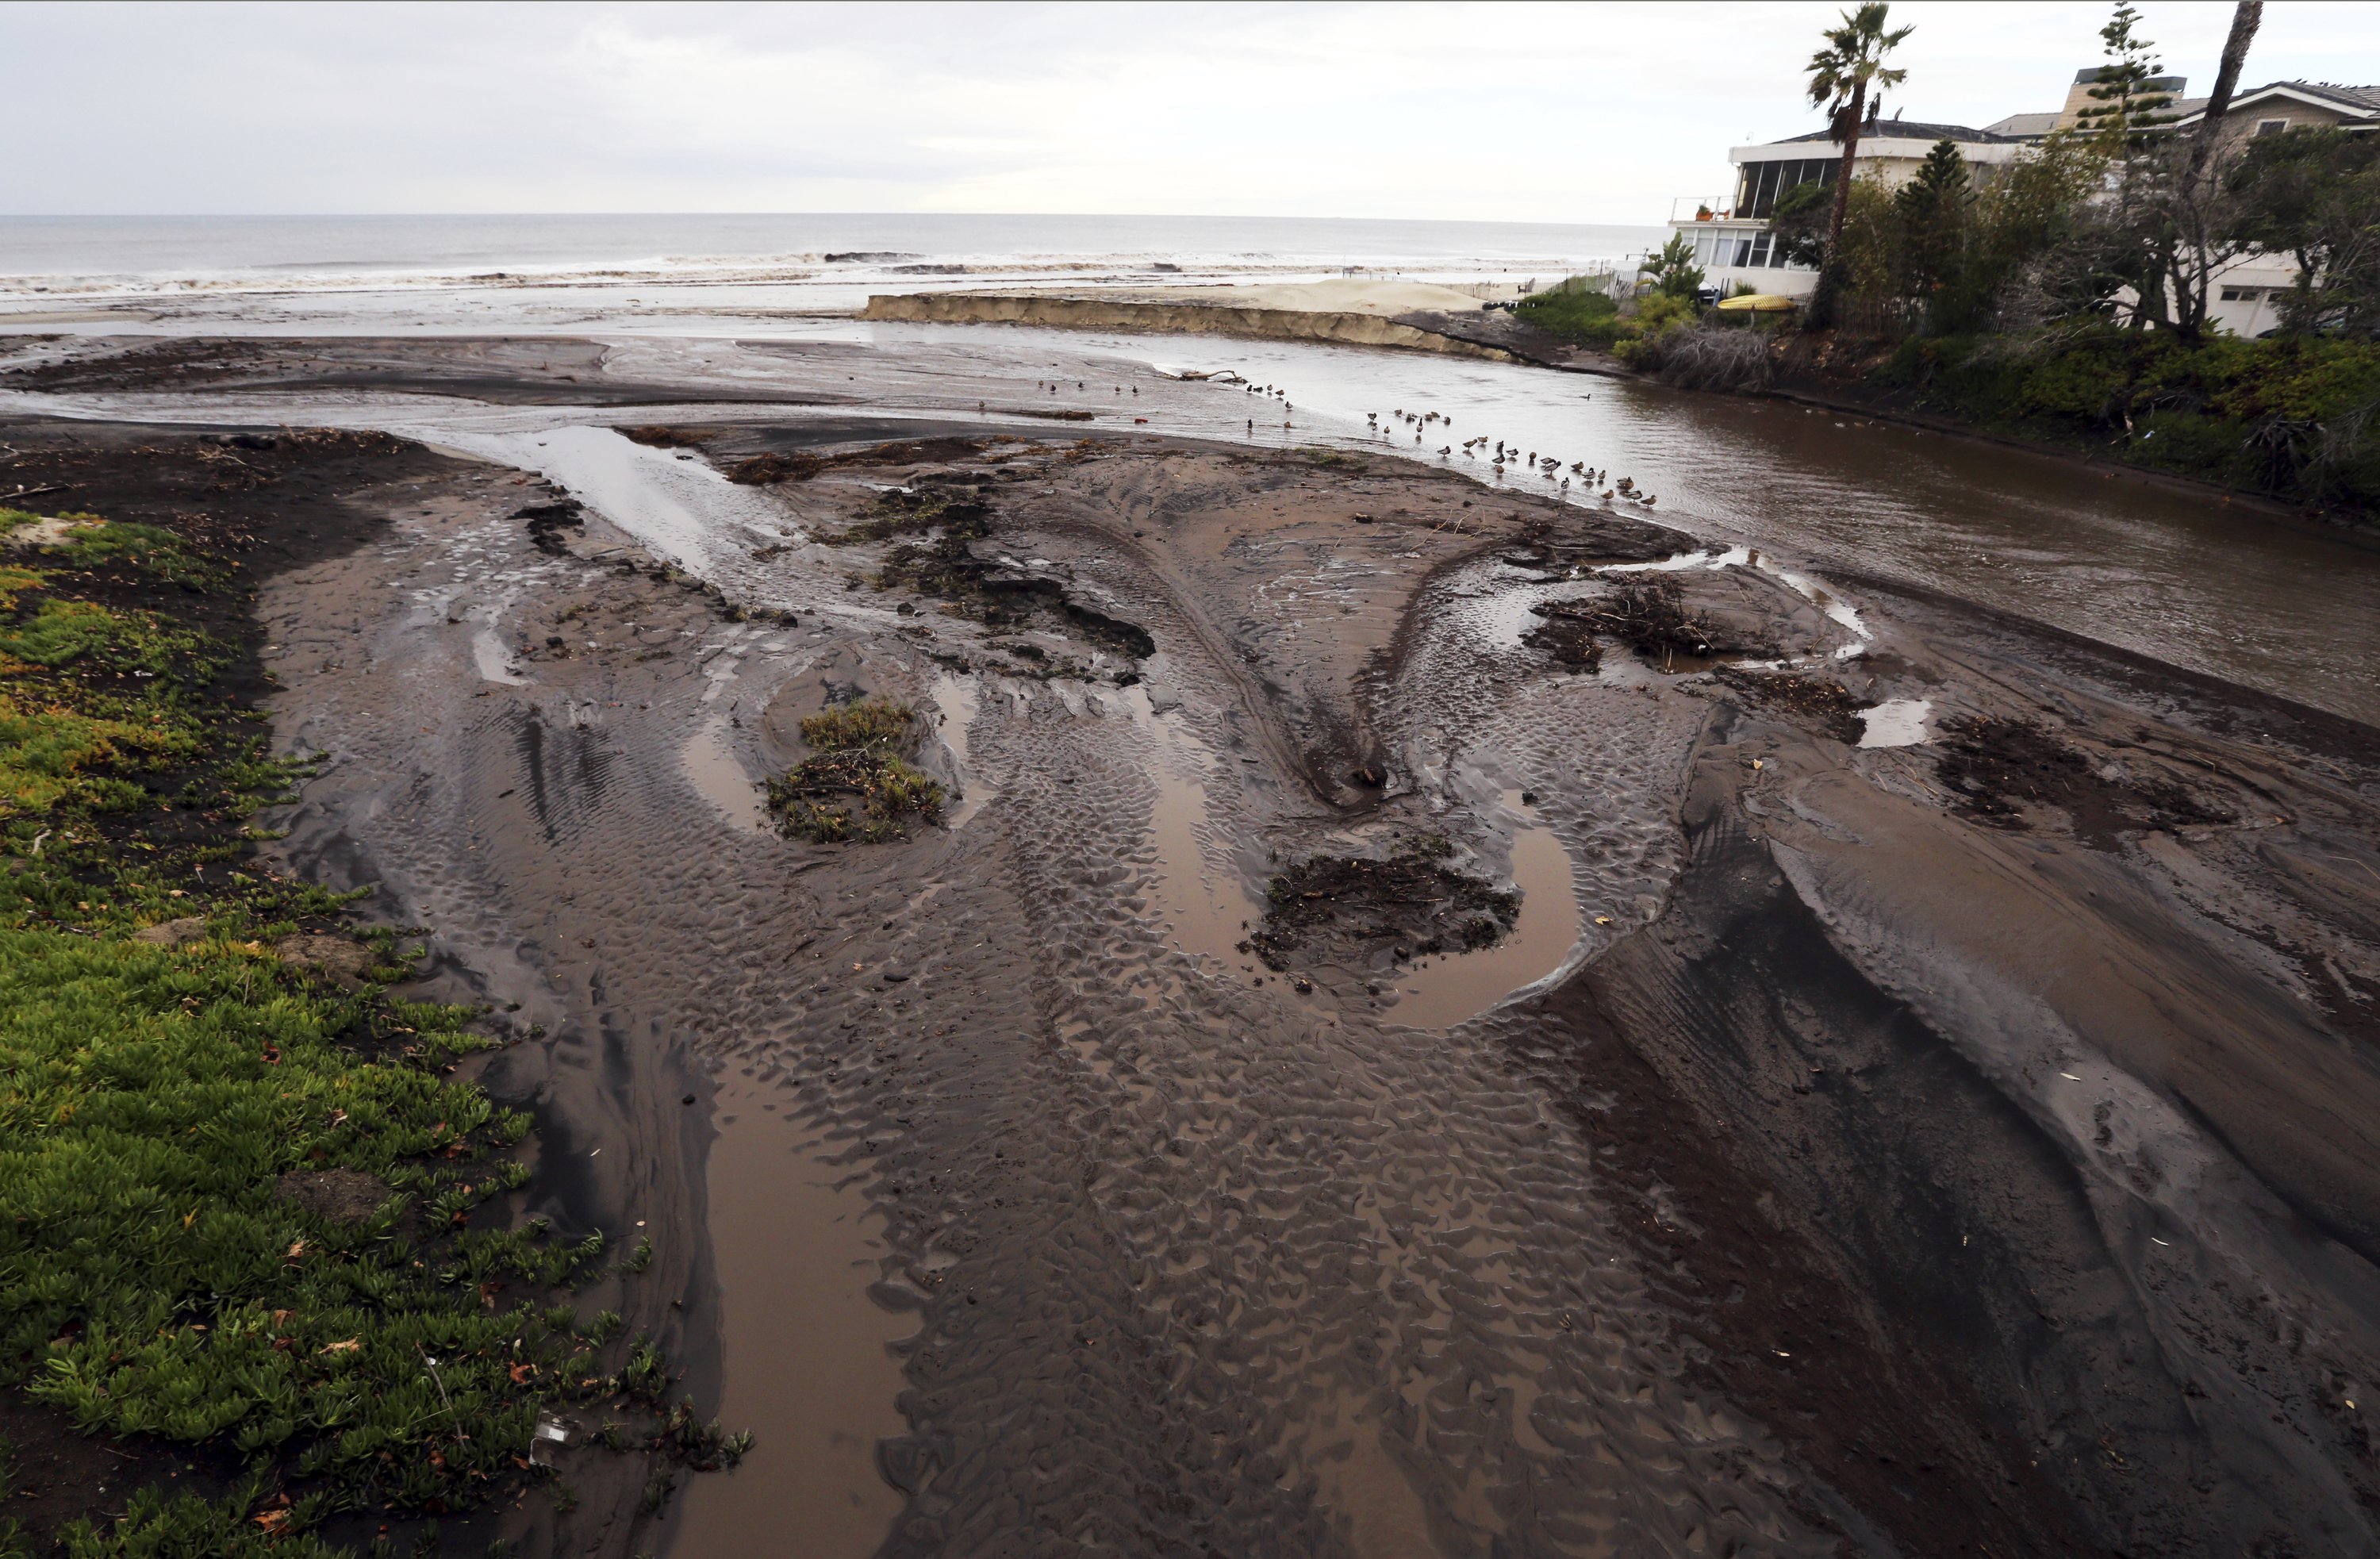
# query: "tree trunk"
{"type": "Point", "coordinates": [2245, 18]}
{"type": "Point", "coordinates": [1850, 132]}
{"type": "Point", "coordinates": [2193, 262]}
{"type": "Point", "coordinates": [1821, 311]}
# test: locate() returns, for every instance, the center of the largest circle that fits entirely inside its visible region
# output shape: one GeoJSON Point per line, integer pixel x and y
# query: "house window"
{"type": "Point", "coordinates": [2271, 126]}
{"type": "Point", "coordinates": [1759, 249]}
{"type": "Point", "coordinates": [2243, 294]}
{"type": "Point", "coordinates": [1762, 185]}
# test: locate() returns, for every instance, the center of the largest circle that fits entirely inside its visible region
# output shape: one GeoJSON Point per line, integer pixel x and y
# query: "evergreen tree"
{"type": "Point", "coordinates": [2124, 102]}
{"type": "Point", "coordinates": [1934, 211]}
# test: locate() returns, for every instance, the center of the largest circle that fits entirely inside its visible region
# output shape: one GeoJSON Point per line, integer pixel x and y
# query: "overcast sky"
{"type": "Point", "coordinates": [1573, 113]}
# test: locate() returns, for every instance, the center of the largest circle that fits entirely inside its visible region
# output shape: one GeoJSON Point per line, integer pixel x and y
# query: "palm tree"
{"type": "Point", "coordinates": [1841, 75]}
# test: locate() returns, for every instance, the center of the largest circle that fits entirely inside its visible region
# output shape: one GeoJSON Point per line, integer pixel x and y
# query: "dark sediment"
{"type": "Point", "coordinates": [1957, 1149]}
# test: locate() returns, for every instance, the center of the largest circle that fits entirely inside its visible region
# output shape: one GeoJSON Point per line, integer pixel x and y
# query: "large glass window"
{"type": "Point", "coordinates": [1759, 249]}
{"type": "Point", "coordinates": [1763, 184]}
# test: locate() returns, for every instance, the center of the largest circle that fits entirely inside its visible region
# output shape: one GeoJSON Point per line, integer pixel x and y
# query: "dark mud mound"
{"type": "Point", "coordinates": [1559, 543]}
{"type": "Point", "coordinates": [658, 437]}
{"type": "Point", "coordinates": [997, 594]}
{"type": "Point", "coordinates": [767, 470]}
{"type": "Point", "coordinates": [2007, 773]}
{"type": "Point", "coordinates": [1816, 703]}
{"type": "Point", "coordinates": [954, 509]}
{"type": "Point", "coordinates": [546, 523]}
{"type": "Point", "coordinates": [1652, 617]}
{"type": "Point", "coordinates": [1354, 909]}
{"type": "Point", "coordinates": [772, 467]}
{"type": "Point", "coordinates": [1567, 634]}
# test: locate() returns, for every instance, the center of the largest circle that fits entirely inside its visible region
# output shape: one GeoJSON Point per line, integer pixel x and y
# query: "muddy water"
{"type": "Point", "coordinates": [1446, 990]}
{"type": "Point", "coordinates": [1349, 1284]}
{"type": "Point", "coordinates": [809, 1366]}
{"type": "Point", "coordinates": [2181, 575]}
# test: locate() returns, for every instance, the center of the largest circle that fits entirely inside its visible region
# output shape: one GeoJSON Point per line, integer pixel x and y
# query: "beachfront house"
{"type": "Point", "coordinates": [1730, 232]}
{"type": "Point", "coordinates": [1734, 246]}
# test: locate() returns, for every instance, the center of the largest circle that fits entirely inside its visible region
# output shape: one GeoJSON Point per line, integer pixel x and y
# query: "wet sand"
{"type": "Point", "coordinates": [1950, 1147]}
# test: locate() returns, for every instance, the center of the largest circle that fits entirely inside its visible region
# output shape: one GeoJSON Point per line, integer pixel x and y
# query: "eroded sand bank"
{"type": "Point", "coordinates": [1418, 316]}
{"type": "Point", "coordinates": [1953, 1146]}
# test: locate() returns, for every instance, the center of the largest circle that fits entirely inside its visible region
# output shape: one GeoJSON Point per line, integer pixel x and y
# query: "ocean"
{"type": "Point", "coordinates": [135, 256]}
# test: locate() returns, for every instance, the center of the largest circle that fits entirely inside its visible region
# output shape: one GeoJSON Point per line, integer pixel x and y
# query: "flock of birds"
{"type": "Point", "coordinates": [1548, 467]}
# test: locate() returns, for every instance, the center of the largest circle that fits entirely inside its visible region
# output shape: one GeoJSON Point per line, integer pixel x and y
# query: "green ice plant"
{"type": "Point", "coordinates": [158, 1102]}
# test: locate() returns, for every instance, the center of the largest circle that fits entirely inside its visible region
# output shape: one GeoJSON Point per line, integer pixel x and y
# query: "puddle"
{"type": "Point", "coordinates": [1896, 723]}
{"type": "Point", "coordinates": [1357, 1479]}
{"type": "Point", "coordinates": [1206, 911]}
{"type": "Point", "coordinates": [957, 700]}
{"type": "Point", "coordinates": [712, 769]}
{"type": "Point", "coordinates": [1450, 988]}
{"type": "Point", "coordinates": [494, 660]}
{"type": "Point", "coordinates": [1204, 908]}
{"type": "Point", "coordinates": [809, 1366]}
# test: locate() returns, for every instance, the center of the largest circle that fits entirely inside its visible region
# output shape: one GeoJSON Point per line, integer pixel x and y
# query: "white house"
{"type": "Point", "coordinates": [1733, 244]}
{"type": "Point", "coordinates": [1732, 237]}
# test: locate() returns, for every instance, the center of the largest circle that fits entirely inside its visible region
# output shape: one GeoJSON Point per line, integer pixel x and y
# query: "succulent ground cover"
{"type": "Point", "coordinates": [247, 1219]}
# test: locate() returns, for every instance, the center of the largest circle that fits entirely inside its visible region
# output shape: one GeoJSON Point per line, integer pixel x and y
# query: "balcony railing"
{"type": "Point", "coordinates": [1690, 208]}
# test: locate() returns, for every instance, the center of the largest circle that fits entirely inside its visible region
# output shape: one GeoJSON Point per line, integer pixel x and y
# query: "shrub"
{"type": "Point", "coordinates": [1587, 316]}
{"type": "Point", "coordinates": [857, 786]}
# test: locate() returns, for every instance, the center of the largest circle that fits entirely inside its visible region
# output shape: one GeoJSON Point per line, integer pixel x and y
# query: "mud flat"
{"type": "Point", "coordinates": [1962, 1145]}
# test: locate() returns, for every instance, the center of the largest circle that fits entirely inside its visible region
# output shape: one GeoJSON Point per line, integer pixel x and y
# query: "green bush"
{"type": "Point", "coordinates": [856, 786]}
{"type": "Point", "coordinates": [2291, 417]}
{"type": "Point", "coordinates": [1589, 318]}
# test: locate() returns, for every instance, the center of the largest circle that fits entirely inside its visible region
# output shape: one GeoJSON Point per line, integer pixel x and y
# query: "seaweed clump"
{"type": "Point", "coordinates": [1820, 702]}
{"type": "Point", "coordinates": [1649, 616]}
{"type": "Point", "coordinates": [768, 470]}
{"type": "Point", "coordinates": [857, 785]}
{"type": "Point", "coordinates": [998, 594]}
{"type": "Point", "coordinates": [2002, 769]}
{"type": "Point", "coordinates": [1567, 634]}
{"type": "Point", "coordinates": [1410, 903]}
{"type": "Point", "coordinates": [546, 522]}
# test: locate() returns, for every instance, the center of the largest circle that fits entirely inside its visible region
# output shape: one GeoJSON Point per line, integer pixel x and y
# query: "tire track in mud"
{"type": "Point", "coordinates": [1198, 1266]}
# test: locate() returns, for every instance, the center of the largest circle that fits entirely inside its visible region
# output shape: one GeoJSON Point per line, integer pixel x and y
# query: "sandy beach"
{"type": "Point", "coordinates": [1916, 1096]}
